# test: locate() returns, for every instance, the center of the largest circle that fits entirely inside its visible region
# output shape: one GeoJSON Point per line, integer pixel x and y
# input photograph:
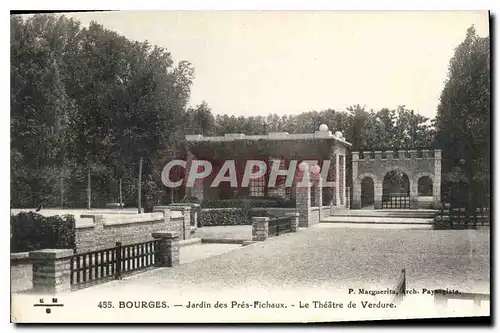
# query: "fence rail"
{"type": "Point", "coordinates": [463, 218]}
{"type": "Point", "coordinates": [396, 201]}
{"type": "Point", "coordinates": [279, 225]}
{"type": "Point", "coordinates": [90, 268]}
{"type": "Point", "coordinates": [441, 298]}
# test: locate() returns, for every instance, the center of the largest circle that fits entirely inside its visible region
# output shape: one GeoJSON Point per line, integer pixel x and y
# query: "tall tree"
{"type": "Point", "coordinates": [463, 119]}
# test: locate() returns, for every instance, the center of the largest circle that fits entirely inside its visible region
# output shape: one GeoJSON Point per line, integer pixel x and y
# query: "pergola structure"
{"type": "Point", "coordinates": [319, 146]}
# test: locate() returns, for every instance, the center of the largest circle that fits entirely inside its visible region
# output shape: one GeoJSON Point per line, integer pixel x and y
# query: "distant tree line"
{"type": "Point", "coordinates": [89, 104]}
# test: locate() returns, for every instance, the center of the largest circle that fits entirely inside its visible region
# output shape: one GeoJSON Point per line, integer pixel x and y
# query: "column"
{"type": "Point", "coordinates": [51, 270]}
{"type": "Point", "coordinates": [303, 201]}
{"type": "Point", "coordinates": [344, 202]}
{"type": "Point", "coordinates": [413, 193]}
{"type": "Point", "coordinates": [356, 184]}
{"type": "Point", "coordinates": [260, 228]}
{"type": "Point", "coordinates": [377, 196]}
{"type": "Point", "coordinates": [436, 180]}
{"type": "Point", "coordinates": [337, 180]}
{"type": "Point", "coordinates": [167, 252]}
{"type": "Point", "coordinates": [318, 192]}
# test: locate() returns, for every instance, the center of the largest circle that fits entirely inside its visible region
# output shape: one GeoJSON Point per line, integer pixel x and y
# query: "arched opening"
{"type": "Point", "coordinates": [396, 190]}
{"type": "Point", "coordinates": [425, 186]}
{"type": "Point", "coordinates": [367, 192]}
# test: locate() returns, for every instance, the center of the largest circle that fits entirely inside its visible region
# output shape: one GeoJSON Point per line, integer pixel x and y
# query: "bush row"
{"type": "Point", "coordinates": [248, 203]}
{"type": "Point", "coordinates": [30, 231]}
{"type": "Point", "coordinates": [228, 217]}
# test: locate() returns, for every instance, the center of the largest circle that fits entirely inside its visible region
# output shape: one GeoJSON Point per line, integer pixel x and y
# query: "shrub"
{"type": "Point", "coordinates": [223, 217]}
{"type": "Point", "coordinates": [249, 202]}
{"type": "Point", "coordinates": [31, 232]}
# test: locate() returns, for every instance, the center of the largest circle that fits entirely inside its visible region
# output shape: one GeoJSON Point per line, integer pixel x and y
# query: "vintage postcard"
{"type": "Point", "coordinates": [250, 166]}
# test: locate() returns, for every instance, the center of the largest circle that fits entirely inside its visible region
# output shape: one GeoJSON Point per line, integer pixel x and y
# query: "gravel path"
{"type": "Point", "coordinates": [337, 258]}
{"type": "Point", "coordinates": [318, 263]}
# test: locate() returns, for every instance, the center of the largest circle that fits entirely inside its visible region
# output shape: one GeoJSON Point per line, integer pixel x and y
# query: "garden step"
{"type": "Point", "coordinates": [380, 219]}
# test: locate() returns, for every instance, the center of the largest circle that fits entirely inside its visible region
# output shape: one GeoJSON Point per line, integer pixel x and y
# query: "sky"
{"type": "Point", "coordinates": [288, 62]}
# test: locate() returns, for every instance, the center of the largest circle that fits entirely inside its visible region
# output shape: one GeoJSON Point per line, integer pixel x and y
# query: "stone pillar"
{"type": "Point", "coordinates": [195, 212]}
{"type": "Point", "coordinates": [436, 180]}
{"type": "Point", "coordinates": [260, 228]}
{"type": "Point", "coordinates": [348, 198]}
{"type": "Point", "coordinates": [356, 190]}
{"type": "Point", "coordinates": [51, 270]}
{"type": "Point", "coordinates": [337, 180]}
{"type": "Point", "coordinates": [318, 191]}
{"type": "Point", "coordinates": [303, 203]}
{"type": "Point", "coordinates": [377, 195]}
{"type": "Point", "coordinates": [295, 220]}
{"type": "Point", "coordinates": [185, 228]}
{"type": "Point", "coordinates": [413, 193]}
{"type": "Point", "coordinates": [343, 182]}
{"type": "Point", "coordinates": [167, 253]}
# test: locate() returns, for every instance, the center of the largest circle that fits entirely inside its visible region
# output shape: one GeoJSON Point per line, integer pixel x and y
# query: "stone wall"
{"type": "Point", "coordinates": [103, 231]}
{"type": "Point", "coordinates": [414, 164]}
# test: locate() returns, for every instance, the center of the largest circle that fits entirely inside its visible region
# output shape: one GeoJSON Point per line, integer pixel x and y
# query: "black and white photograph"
{"type": "Point", "coordinates": [271, 166]}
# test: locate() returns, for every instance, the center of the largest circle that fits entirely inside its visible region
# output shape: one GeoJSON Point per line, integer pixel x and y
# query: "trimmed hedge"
{"type": "Point", "coordinates": [249, 202]}
{"type": "Point", "coordinates": [223, 217]}
{"type": "Point", "coordinates": [31, 231]}
{"type": "Point", "coordinates": [218, 217]}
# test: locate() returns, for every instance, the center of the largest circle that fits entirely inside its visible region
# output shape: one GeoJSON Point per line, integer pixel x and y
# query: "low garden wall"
{"type": "Point", "coordinates": [31, 231]}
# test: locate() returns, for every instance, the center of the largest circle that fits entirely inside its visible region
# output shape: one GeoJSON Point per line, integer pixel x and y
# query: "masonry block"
{"type": "Point", "coordinates": [260, 228]}
{"type": "Point", "coordinates": [51, 270]}
{"type": "Point", "coordinates": [167, 253]}
{"type": "Point", "coordinates": [295, 220]}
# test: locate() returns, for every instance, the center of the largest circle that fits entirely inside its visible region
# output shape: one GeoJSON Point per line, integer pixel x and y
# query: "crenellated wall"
{"type": "Point", "coordinates": [413, 163]}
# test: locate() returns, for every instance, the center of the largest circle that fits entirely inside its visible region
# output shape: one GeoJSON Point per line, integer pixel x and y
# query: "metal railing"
{"type": "Point", "coordinates": [396, 201]}
{"type": "Point", "coordinates": [90, 268]}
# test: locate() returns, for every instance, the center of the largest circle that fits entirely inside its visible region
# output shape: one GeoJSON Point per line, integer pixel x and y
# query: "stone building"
{"type": "Point", "coordinates": [418, 174]}
{"type": "Point", "coordinates": [320, 146]}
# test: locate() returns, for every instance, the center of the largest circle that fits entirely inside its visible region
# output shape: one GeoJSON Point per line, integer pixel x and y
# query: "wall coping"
{"type": "Point", "coordinates": [51, 254]}
{"type": "Point", "coordinates": [142, 218]}
{"type": "Point", "coordinates": [19, 255]}
{"type": "Point", "coordinates": [166, 234]}
{"type": "Point", "coordinates": [270, 136]}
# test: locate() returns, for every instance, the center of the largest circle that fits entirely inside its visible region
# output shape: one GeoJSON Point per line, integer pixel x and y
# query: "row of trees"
{"type": "Point", "coordinates": [89, 104]}
{"type": "Point", "coordinates": [365, 129]}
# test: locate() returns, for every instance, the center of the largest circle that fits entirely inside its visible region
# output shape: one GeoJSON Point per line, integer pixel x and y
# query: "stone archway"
{"type": "Point", "coordinates": [414, 164]}
{"type": "Point", "coordinates": [396, 190]}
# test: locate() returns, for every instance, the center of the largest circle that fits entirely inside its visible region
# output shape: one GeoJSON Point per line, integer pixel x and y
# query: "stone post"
{"type": "Point", "coordinates": [185, 227]}
{"type": "Point", "coordinates": [413, 193]}
{"type": "Point", "coordinates": [167, 253]}
{"type": "Point", "coordinates": [337, 179]}
{"type": "Point", "coordinates": [436, 183]}
{"type": "Point", "coordinates": [348, 198]}
{"type": "Point", "coordinates": [343, 181]}
{"type": "Point", "coordinates": [295, 220]}
{"type": "Point", "coordinates": [51, 270]}
{"type": "Point", "coordinates": [356, 190]}
{"type": "Point", "coordinates": [377, 195]}
{"type": "Point", "coordinates": [303, 203]}
{"type": "Point", "coordinates": [318, 191]}
{"type": "Point", "coordinates": [260, 228]}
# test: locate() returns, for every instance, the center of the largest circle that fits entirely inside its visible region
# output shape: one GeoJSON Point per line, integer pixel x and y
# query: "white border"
{"type": "Point", "coordinates": [193, 5]}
